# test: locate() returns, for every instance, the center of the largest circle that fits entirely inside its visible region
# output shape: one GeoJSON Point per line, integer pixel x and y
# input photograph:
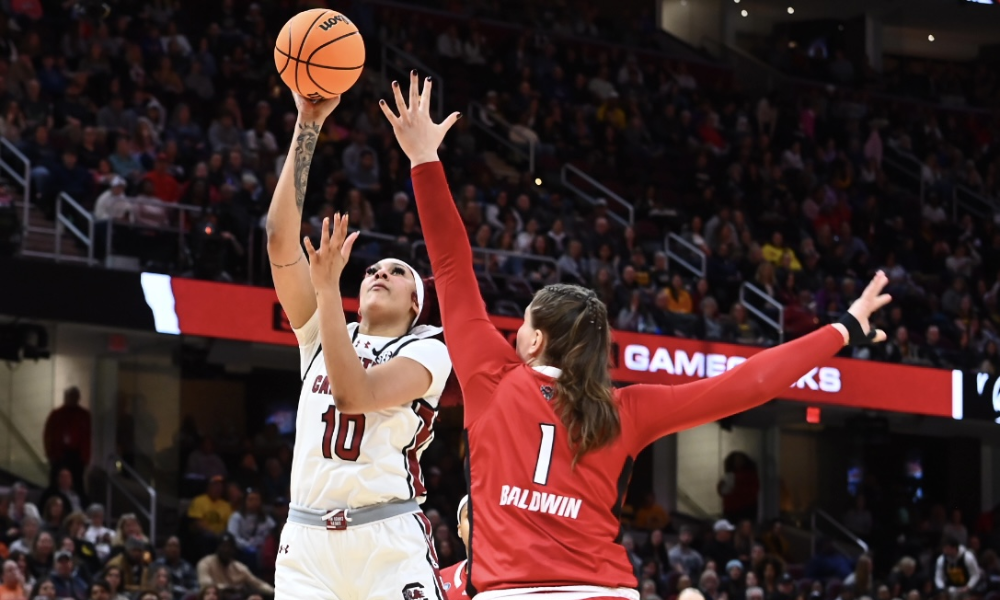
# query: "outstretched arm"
{"type": "Point", "coordinates": [659, 410]}
{"type": "Point", "coordinates": [478, 352]}
{"type": "Point", "coordinates": [284, 217]}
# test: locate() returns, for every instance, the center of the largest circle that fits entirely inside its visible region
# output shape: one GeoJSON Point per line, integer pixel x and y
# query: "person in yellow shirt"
{"type": "Point", "coordinates": [678, 298]}
{"type": "Point", "coordinates": [651, 515]}
{"type": "Point", "coordinates": [210, 512]}
{"type": "Point", "coordinates": [775, 251]}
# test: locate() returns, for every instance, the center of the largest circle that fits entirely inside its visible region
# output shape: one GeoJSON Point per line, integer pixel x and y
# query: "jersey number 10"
{"type": "Point", "coordinates": [349, 432]}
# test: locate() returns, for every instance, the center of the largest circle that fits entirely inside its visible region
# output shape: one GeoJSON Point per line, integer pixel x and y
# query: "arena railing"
{"type": "Point", "coordinates": [569, 171]}
{"type": "Point", "coordinates": [391, 53]}
{"type": "Point", "coordinates": [118, 472]}
{"type": "Point", "coordinates": [524, 153]}
{"type": "Point", "coordinates": [962, 197]}
{"type": "Point", "coordinates": [14, 432]}
{"type": "Point", "coordinates": [748, 291]}
{"type": "Point", "coordinates": [22, 178]}
{"type": "Point", "coordinates": [820, 514]}
{"type": "Point", "coordinates": [415, 254]}
{"type": "Point", "coordinates": [673, 242]}
{"type": "Point", "coordinates": [181, 229]}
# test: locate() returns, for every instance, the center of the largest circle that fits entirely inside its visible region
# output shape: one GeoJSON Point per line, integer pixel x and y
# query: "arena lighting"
{"type": "Point", "coordinates": [930, 38]}
{"type": "Point", "coordinates": [813, 415]}
{"type": "Point", "coordinates": [736, 1]}
{"type": "Point", "coordinates": [744, 13]}
{"type": "Point", "coordinates": [791, 10]}
{"type": "Point", "coordinates": [538, 181]}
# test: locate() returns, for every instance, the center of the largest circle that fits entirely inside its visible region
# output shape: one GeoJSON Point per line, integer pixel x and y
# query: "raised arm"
{"type": "Point", "coordinates": [478, 351]}
{"type": "Point", "coordinates": [659, 410]}
{"type": "Point", "coordinates": [284, 217]}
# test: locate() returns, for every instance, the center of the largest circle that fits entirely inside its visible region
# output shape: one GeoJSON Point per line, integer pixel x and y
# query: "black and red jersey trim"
{"type": "Point", "coordinates": [432, 559]}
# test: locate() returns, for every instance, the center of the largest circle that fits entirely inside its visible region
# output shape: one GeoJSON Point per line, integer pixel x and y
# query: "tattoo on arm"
{"type": "Point", "coordinates": [305, 145]}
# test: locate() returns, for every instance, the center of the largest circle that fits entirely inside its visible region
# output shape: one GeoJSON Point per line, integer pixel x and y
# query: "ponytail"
{"type": "Point", "coordinates": [579, 343]}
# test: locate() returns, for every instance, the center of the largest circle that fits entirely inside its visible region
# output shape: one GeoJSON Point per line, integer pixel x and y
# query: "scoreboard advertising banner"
{"type": "Point", "coordinates": [179, 306]}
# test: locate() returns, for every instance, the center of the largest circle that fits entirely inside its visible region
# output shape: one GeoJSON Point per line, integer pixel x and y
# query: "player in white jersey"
{"type": "Point", "coordinates": [369, 397]}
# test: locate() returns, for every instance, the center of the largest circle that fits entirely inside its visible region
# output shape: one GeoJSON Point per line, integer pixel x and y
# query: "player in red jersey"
{"type": "Point", "coordinates": [455, 577]}
{"type": "Point", "coordinates": [551, 443]}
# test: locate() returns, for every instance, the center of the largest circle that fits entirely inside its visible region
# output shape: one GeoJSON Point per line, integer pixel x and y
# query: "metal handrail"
{"type": "Point", "coordinates": [568, 169]}
{"type": "Point", "coordinates": [496, 252]}
{"type": "Point", "coordinates": [64, 222]}
{"type": "Point", "coordinates": [117, 466]}
{"type": "Point", "coordinates": [697, 271]}
{"type": "Point", "coordinates": [901, 168]}
{"type": "Point", "coordinates": [24, 179]}
{"type": "Point", "coordinates": [847, 532]}
{"type": "Point", "coordinates": [779, 324]}
{"type": "Point", "coordinates": [528, 155]}
{"type": "Point", "coordinates": [986, 206]}
{"type": "Point", "coordinates": [181, 229]}
{"type": "Point", "coordinates": [422, 67]}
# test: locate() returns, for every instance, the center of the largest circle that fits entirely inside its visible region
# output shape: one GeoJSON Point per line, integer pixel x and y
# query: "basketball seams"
{"type": "Point", "coordinates": [288, 57]}
{"type": "Point", "coordinates": [302, 46]}
{"type": "Point", "coordinates": [315, 66]}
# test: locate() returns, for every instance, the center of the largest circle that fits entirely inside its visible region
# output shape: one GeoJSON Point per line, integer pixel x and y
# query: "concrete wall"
{"type": "Point", "coordinates": [700, 453]}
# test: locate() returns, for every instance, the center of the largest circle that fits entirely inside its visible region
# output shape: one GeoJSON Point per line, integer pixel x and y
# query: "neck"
{"type": "Point", "coordinates": [389, 327]}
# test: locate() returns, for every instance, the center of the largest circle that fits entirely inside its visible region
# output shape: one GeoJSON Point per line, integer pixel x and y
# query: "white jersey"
{"type": "Point", "coordinates": [351, 461]}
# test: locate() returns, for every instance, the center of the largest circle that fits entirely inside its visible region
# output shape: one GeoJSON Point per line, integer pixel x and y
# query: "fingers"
{"type": "Point", "coordinates": [880, 336]}
{"type": "Point", "coordinates": [400, 102]}
{"type": "Point", "coordinates": [876, 285]}
{"type": "Point", "coordinates": [414, 90]}
{"type": "Point", "coordinates": [310, 250]}
{"type": "Point", "coordinates": [425, 97]}
{"type": "Point", "coordinates": [450, 120]}
{"type": "Point", "coordinates": [345, 251]}
{"type": "Point", "coordinates": [324, 234]}
{"type": "Point", "coordinates": [391, 116]}
{"type": "Point", "coordinates": [880, 301]}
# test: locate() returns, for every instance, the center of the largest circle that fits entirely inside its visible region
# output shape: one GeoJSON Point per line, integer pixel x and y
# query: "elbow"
{"type": "Point", "coordinates": [354, 404]}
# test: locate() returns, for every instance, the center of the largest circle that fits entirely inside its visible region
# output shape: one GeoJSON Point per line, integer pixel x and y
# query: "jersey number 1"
{"type": "Point", "coordinates": [349, 433]}
{"type": "Point", "coordinates": [544, 462]}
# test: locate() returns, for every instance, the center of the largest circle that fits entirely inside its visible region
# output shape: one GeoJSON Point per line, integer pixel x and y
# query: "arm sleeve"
{"type": "Point", "coordinates": [939, 573]}
{"type": "Point", "coordinates": [973, 567]}
{"type": "Point", "coordinates": [204, 576]}
{"type": "Point", "coordinates": [308, 338]}
{"type": "Point", "coordinates": [479, 353]}
{"type": "Point", "coordinates": [658, 410]}
{"type": "Point", "coordinates": [433, 356]}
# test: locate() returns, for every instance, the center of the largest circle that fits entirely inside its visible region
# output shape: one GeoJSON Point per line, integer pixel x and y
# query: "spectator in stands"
{"type": "Point", "coordinates": [68, 584]}
{"type": "Point", "coordinates": [19, 506]}
{"type": "Point", "coordinates": [209, 513]}
{"type": "Point", "coordinates": [774, 541]}
{"type": "Point", "coordinates": [63, 488]}
{"type": "Point", "coordinates": [226, 573]}
{"type": "Point", "coordinates": [100, 590]}
{"type": "Point", "coordinates": [828, 563]}
{"type": "Point", "coordinates": [956, 570]}
{"type": "Point", "coordinates": [12, 584]}
{"type": "Point", "coordinates": [249, 526]}
{"type": "Point", "coordinates": [859, 518]}
{"type": "Point", "coordinates": [67, 437]}
{"type": "Point", "coordinates": [685, 558]}
{"type": "Point", "coordinates": [651, 515]}
{"type": "Point", "coordinates": [720, 548]}
{"type": "Point", "coordinates": [113, 576]}
{"type": "Point", "coordinates": [733, 581]}
{"type": "Point", "coordinates": [97, 534]}
{"type": "Point", "coordinates": [708, 584]}
{"type": "Point", "coordinates": [113, 206]}
{"type": "Point", "coordinates": [182, 577]}
{"type": "Point", "coordinates": [709, 326]}
{"type": "Point", "coordinates": [739, 489]}
{"type": "Point", "coordinates": [165, 186]}
{"type": "Point", "coordinates": [204, 463]}
{"type": "Point", "coordinates": [861, 581]}
{"type": "Point", "coordinates": [132, 564]}
{"type": "Point", "coordinates": [224, 134]}
{"type": "Point", "coordinates": [52, 514]}
{"type": "Point", "coordinates": [31, 526]}
{"type": "Point", "coordinates": [955, 528]}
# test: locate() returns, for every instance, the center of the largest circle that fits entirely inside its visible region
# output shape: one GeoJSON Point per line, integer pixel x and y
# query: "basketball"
{"type": "Point", "coordinates": [319, 53]}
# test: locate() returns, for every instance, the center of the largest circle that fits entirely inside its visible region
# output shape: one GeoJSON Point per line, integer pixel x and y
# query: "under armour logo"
{"type": "Point", "coordinates": [284, 549]}
{"type": "Point", "coordinates": [368, 345]}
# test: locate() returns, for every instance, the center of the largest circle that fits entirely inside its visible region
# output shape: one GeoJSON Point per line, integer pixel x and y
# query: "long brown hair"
{"type": "Point", "coordinates": [578, 341]}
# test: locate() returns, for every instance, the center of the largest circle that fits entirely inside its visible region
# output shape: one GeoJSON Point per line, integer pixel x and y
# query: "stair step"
{"type": "Point", "coordinates": [45, 242]}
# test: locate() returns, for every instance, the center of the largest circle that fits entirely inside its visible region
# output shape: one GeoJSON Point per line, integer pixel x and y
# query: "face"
{"type": "Point", "coordinates": [210, 594]}
{"type": "Point", "coordinates": [388, 288]}
{"type": "Point", "coordinates": [65, 479]}
{"type": "Point", "coordinates": [10, 572]}
{"type": "Point", "coordinates": [463, 525]}
{"type": "Point", "coordinates": [530, 341]}
{"type": "Point", "coordinates": [253, 502]}
{"type": "Point", "coordinates": [114, 577]}
{"type": "Point", "coordinates": [47, 589]}
{"type": "Point", "coordinates": [64, 566]}
{"type": "Point", "coordinates": [45, 544]}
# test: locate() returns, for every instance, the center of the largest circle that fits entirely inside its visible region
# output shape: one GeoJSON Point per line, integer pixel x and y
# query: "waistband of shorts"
{"type": "Point", "coordinates": [569, 592]}
{"type": "Point", "coordinates": [339, 519]}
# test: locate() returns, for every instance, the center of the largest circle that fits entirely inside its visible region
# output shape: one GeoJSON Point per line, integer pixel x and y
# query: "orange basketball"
{"type": "Point", "coordinates": [319, 53]}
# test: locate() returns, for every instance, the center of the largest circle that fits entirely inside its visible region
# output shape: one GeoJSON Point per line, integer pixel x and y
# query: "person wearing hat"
{"type": "Point", "coordinates": [786, 588]}
{"type": "Point", "coordinates": [733, 580]}
{"type": "Point", "coordinates": [720, 548]}
{"type": "Point", "coordinates": [132, 563]}
{"type": "Point", "coordinates": [226, 573]}
{"type": "Point", "coordinates": [68, 584]}
{"type": "Point", "coordinates": [113, 205]}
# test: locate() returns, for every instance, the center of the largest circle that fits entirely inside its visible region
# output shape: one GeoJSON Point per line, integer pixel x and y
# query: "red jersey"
{"type": "Point", "coordinates": [454, 581]}
{"type": "Point", "coordinates": [537, 521]}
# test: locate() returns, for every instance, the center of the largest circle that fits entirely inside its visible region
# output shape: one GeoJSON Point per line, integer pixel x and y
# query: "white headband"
{"type": "Point", "coordinates": [461, 505]}
{"type": "Point", "coordinates": [417, 281]}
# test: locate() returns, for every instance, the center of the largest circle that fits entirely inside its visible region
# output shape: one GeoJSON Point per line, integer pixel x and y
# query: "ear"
{"type": "Point", "coordinates": [538, 341]}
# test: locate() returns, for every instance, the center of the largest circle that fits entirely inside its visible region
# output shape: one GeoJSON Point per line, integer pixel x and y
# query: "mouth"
{"type": "Point", "coordinates": [378, 286]}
